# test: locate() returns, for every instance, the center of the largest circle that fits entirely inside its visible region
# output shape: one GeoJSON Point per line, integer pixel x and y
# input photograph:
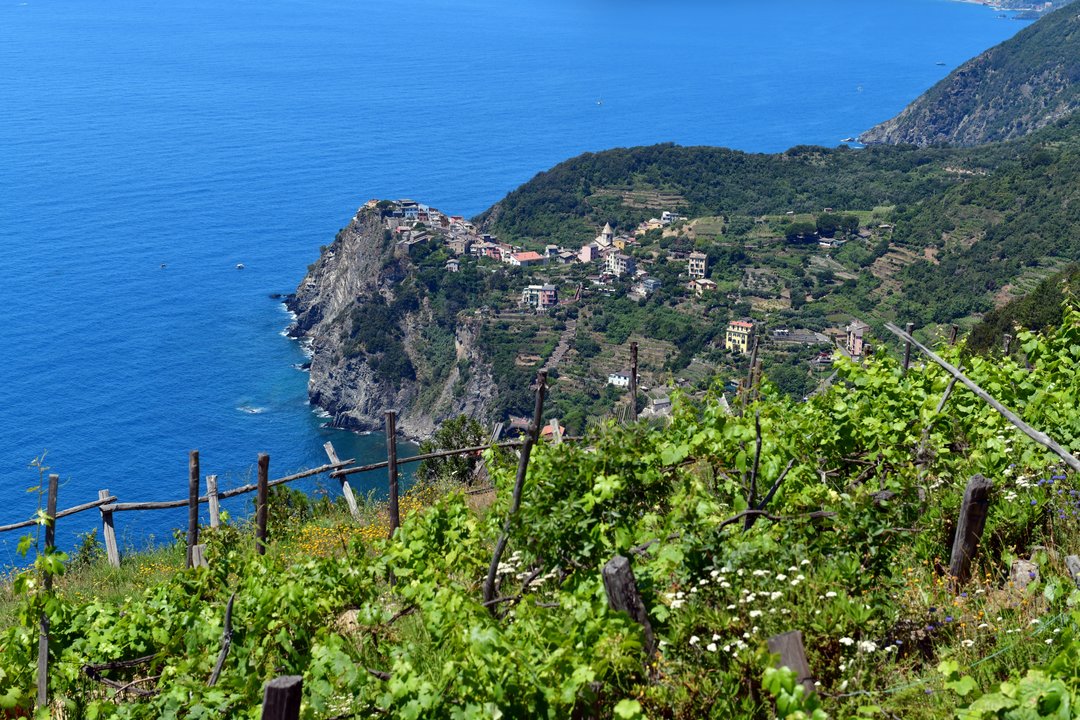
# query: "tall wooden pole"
{"type": "Point", "coordinates": [391, 470]}
{"type": "Point", "coordinates": [193, 503]}
{"type": "Point", "coordinates": [261, 499]}
{"type": "Point", "coordinates": [519, 484]}
{"type": "Point", "coordinates": [43, 627]}
{"type": "Point", "coordinates": [907, 348]}
{"type": "Point", "coordinates": [633, 381]}
{"type": "Point", "coordinates": [212, 500]}
{"type": "Point", "coordinates": [346, 489]}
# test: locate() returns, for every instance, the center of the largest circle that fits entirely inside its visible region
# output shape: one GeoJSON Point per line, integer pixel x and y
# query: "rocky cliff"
{"type": "Point", "coordinates": [376, 343]}
{"type": "Point", "coordinates": [1015, 88]}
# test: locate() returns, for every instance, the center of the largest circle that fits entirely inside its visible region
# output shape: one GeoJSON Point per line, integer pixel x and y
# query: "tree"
{"type": "Point", "coordinates": [459, 432]}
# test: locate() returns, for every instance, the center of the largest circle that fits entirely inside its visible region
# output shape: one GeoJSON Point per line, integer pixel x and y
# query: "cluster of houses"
{"type": "Point", "coordinates": [411, 222]}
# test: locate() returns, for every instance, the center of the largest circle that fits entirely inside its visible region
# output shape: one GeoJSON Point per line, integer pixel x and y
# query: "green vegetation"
{"type": "Point", "coordinates": [852, 556]}
{"type": "Point", "coordinates": [1010, 90]}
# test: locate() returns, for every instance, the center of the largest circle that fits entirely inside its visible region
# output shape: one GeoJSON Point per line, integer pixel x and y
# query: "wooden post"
{"type": "Point", "coordinates": [556, 431]}
{"type": "Point", "coordinates": [108, 532]}
{"type": "Point", "coordinates": [789, 646]}
{"type": "Point", "coordinates": [261, 498]}
{"type": "Point", "coordinates": [346, 489]}
{"type": "Point", "coordinates": [193, 503]}
{"type": "Point", "coordinates": [1072, 562]}
{"type": "Point", "coordinates": [907, 347]}
{"type": "Point", "coordinates": [198, 556]}
{"type": "Point", "coordinates": [969, 528]}
{"type": "Point", "coordinates": [391, 470]}
{"type": "Point", "coordinates": [212, 501]}
{"type": "Point", "coordinates": [281, 699]}
{"type": "Point", "coordinates": [952, 334]}
{"type": "Point", "coordinates": [633, 381]}
{"type": "Point", "coordinates": [1007, 343]}
{"type": "Point", "coordinates": [623, 596]}
{"type": "Point", "coordinates": [43, 627]}
{"type": "Point", "coordinates": [519, 483]}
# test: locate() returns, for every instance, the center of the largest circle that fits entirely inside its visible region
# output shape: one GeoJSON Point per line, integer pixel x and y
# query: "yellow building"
{"type": "Point", "coordinates": [738, 336]}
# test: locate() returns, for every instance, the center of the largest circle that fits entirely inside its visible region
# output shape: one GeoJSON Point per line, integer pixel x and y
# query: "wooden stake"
{"type": "Point", "coordinates": [198, 556]}
{"type": "Point", "coordinates": [193, 504]}
{"type": "Point", "coordinates": [789, 646]}
{"type": "Point", "coordinates": [633, 381]}
{"type": "Point", "coordinates": [108, 531]}
{"type": "Point", "coordinates": [346, 489]}
{"type": "Point", "coordinates": [1072, 563]}
{"type": "Point", "coordinates": [907, 348]}
{"type": "Point", "coordinates": [952, 334]}
{"type": "Point", "coordinates": [1008, 343]}
{"type": "Point", "coordinates": [43, 627]}
{"type": "Point", "coordinates": [212, 499]}
{"type": "Point", "coordinates": [623, 596]}
{"type": "Point", "coordinates": [391, 470]}
{"type": "Point", "coordinates": [261, 499]}
{"type": "Point", "coordinates": [281, 700]}
{"type": "Point", "coordinates": [519, 483]}
{"type": "Point", "coordinates": [969, 528]}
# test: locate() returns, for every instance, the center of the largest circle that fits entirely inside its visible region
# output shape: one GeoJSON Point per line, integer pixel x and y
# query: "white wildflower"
{"type": "Point", "coordinates": [694, 639]}
{"type": "Point", "coordinates": [711, 647]}
{"type": "Point", "coordinates": [846, 641]}
{"type": "Point", "coordinates": [830, 594]}
{"type": "Point", "coordinates": [867, 646]}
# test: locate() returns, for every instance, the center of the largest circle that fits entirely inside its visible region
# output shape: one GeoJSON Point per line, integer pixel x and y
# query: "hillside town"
{"type": "Point", "coordinates": [624, 264]}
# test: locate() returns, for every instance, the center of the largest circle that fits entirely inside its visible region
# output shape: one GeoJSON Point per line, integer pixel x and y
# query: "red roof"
{"type": "Point", "coordinates": [742, 324]}
{"type": "Point", "coordinates": [530, 255]}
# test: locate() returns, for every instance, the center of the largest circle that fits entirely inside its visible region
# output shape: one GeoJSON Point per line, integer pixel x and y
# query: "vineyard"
{"type": "Point", "coordinates": [834, 517]}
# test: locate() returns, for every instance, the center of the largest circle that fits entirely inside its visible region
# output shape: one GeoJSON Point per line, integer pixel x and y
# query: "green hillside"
{"type": "Point", "coordinates": [1015, 88]}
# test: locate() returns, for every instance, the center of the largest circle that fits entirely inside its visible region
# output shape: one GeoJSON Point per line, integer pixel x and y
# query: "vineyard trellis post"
{"type": "Point", "coordinates": [281, 699]}
{"type": "Point", "coordinates": [531, 437]}
{"type": "Point", "coordinates": [907, 348]}
{"type": "Point", "coordinates": [261, 498]}
{"type": "Point", "coordinates": [392, 471]}
{"type": "Point", "coordinates": [789, 646]}
{"type": "Point", "coordinates": [623, 596]}
{"type": "Point", "coordinates": [193, 505]}
{"type": "Point", "coordinates": [108, 531]}
{"type": "Point", "coordinates": [633, 381]}
{"type": "Point", "coordinates": [969, 528]}
{"type": "Point", "coordinates": [43, 625]}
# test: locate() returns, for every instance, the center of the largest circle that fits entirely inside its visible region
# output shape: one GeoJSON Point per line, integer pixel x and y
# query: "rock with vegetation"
{"type": "Point", "coordinates": [381, 336]}
{"type": "Point", "coordinates": [1011, 90]}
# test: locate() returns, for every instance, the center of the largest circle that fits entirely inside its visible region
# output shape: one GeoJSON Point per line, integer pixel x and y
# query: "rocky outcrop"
{"type": "Point", "coordinates": [371, 352]}
{"type": "Point", "coordinates": [1011, 90]}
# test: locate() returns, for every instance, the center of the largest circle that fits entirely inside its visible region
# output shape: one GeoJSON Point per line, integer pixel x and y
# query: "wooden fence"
{"type": "Point", "coordinates": [283, 695]}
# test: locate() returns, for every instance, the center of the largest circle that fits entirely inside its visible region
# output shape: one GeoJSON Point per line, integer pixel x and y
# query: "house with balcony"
{"type": "Point", "coordinates": [738, 335]}
{"type": "Point", "coordinates": [540, 297]}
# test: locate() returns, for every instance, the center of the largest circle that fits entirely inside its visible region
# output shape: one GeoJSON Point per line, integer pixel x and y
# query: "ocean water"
{"type": "Point", "coordinates": [146, 148]}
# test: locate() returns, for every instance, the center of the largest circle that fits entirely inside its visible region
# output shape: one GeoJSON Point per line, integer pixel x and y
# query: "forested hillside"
{"type": "Point", "coordinates": [976, 220]}
{"type": "Point", "coordinates": [1015, 88]}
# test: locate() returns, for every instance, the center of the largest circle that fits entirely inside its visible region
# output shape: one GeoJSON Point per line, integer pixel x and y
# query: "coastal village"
{"type": "Point", "coordinates": [553, 280]}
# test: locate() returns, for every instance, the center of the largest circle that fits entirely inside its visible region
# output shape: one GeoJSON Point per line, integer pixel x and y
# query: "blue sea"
{"type": "Point", "coordinates": [146, 148]}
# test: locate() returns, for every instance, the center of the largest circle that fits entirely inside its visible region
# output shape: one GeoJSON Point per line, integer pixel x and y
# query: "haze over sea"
{"type": "Point", "coordinates": [200, 134]}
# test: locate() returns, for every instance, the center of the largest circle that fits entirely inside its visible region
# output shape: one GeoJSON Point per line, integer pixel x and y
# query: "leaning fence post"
{"type": "Point", "coordinates": [281, 699]}
{"type": "Point", "coordinates": [633, 381]}
{"type": "Point", "coordinates": [953, 330]}
{"type": "Point", "coordinates": [391, 470]}
{"type": "Point", "coordinates": [193, 503]}
{"type": "Point", "coordinates": [789, 646]}
{"type": "Point", "coordinates": [623, 596]}
{"type": "Point", "coordinates": [346, 489]}
{"type": "Point", "coordinates": [212, 501]}
{"type": "Point", "coordinates": [108, 532]}
{"type": "Point", "coordinates": [261, 497]}
{"type": "Point", "coordinates": [969, 528]}
{"type": "Point", "coordinates": [43, 628]}
{"type": "Point", "coordinates": [519, 483]}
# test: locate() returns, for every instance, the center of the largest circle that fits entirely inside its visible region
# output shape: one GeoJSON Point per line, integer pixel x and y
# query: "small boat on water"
{"type": "Point", "coordinates": [848, 139]}
{"type": "Point", "coordinates": [239, 266]}
{"type": "Point", "coordinates": [939, 63]}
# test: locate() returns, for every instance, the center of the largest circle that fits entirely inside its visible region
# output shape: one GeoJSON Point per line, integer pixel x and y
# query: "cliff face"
{"type": "Point", "coordinates": [1013, 89]}
{"type": "Point", "coordinates": [376, 347]}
